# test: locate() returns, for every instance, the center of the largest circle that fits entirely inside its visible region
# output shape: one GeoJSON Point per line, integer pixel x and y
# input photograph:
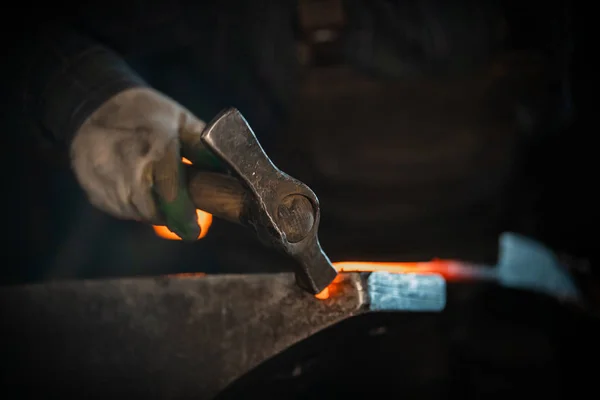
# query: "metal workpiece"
{"type": "Point", "coordinates": [167, 337]}
{"type": "Point", "coordinates": [282, 211]}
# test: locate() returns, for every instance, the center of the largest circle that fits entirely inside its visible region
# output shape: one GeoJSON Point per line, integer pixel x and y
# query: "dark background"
{"type": "Point", "coordinates": [426, 130]}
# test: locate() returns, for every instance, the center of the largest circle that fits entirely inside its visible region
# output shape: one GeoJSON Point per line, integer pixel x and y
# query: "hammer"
{"type": "Point", "coordinates": [282, 211]}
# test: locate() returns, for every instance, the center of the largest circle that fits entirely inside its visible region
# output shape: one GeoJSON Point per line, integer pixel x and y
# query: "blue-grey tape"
{"type": "Point", "coordinates": [406, 292]}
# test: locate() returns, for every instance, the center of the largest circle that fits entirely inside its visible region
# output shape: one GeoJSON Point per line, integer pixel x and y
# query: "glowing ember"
{"type": "Point", "coordinates": [204, 220]}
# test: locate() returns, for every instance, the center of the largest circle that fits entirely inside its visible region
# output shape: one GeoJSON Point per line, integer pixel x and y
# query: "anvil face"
{"type": "Point", "coordinates": [166, 337]}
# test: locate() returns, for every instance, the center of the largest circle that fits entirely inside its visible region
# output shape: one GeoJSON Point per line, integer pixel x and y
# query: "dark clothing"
{"type": "Point", "coordinates": [68, 78]}
{"type": "Point", "coordinates": [205, 55]}
{"type": "Point", "coordinates": [70, 64]}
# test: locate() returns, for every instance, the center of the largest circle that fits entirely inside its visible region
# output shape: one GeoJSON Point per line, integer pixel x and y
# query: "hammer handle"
{"type": "Point", "coordinates": [225, 197]}
{"type": "Point", "coordinates": [220, 195]}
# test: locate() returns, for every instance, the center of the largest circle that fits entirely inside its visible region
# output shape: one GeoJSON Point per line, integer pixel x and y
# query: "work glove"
{"type": "Point", "coordinates": [127, 156]}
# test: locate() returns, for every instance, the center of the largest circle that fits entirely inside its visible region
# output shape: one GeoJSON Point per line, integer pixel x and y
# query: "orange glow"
{"type": "Point", "coordinates": [188, 275]}
{"type": "Point", "coordinates": [435, 266]}
{"type": "Point", "coordinates": [441, 267]}
{"type": "Point", "coordinates": [331, 289]}
{"type": "Point", "coordinates": [204, 220]}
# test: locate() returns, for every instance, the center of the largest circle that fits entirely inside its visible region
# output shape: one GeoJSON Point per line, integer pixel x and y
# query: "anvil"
{"type": "Point", "coordinates": [192, 336]}
{"type": "Point", "coordinates": [168, 337]}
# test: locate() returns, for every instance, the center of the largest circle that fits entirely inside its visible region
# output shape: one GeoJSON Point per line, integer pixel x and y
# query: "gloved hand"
{"type": "Point", "coordinates": [127, 158]}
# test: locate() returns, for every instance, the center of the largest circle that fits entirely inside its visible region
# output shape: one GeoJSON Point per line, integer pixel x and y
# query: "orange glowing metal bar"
{"type": "Point", "coordinates": [204, 220]}
{"type": "Point", "coordinates": [441, 267]}
{"type": "Point", "coordinates": [436, 266]}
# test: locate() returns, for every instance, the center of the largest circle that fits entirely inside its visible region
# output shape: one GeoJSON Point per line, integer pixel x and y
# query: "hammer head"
{"type": "Point", "coordinates": [284, 212]}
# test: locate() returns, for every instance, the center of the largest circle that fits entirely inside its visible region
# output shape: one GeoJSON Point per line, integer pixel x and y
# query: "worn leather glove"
{"type": "Point", "coordinates": [127, 158]}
